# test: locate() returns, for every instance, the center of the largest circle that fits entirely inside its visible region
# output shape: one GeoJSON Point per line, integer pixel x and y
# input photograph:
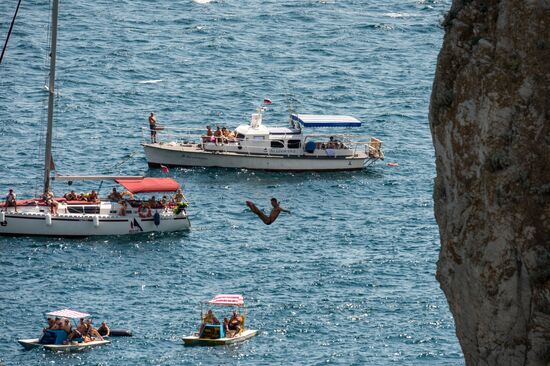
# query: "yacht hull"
{"type": "Point", "coordinates": [191, 156]}
{"type": "Point", "coordinates": [67, 225]}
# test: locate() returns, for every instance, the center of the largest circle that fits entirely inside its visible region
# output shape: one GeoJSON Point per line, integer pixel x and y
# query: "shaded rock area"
{"type": "Point", "coordinates": [490, 121]}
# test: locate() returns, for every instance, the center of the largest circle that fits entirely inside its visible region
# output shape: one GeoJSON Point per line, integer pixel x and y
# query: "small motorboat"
{"type": "Point", "coordinates": [213, 332]}
{"type": "Point", "coordinates": [54, 339]}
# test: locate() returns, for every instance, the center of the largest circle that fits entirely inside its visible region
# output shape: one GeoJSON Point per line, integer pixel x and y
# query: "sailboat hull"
{"type": "Point", "coordinates": [84, 225]}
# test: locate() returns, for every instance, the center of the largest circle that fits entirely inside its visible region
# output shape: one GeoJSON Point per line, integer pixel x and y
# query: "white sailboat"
{"type": "Point", "coordinates": [72, 217]}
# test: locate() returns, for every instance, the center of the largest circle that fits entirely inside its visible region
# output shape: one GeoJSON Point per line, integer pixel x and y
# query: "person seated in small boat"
{"type": "Point", "coordinates": [114, 195]}
{"type": "Point", "coordinates": [51, 323]}
{"type": "Point", "coordinates": [11, 200]}
{"type": "Point", "coordinates": [164, 201]}
{"type": "Point", "coordinates": [235, 323]}
{"type": "Point", "coordinates": [210, 318]}
{"type": "Point", "coordinates": [231, 136]}
{"type": "Point", "coordinates": [104, 330]}
{"type": "Point", "coordinates": [66, 326]}
{"type": "Point", "coordinates": [92, 332]}
{"type": "Point", "coordinates": [78, 332]}
{"type": "Point", "coordinates": [123, 207]}
{"type": "Point", "coordinates": [70, 196]}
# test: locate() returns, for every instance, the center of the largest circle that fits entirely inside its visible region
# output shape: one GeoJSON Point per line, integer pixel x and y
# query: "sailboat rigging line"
{"type": "Point", "coordinates": [126, 160]}
{"type": "Point", "coordinates": [9, 31]}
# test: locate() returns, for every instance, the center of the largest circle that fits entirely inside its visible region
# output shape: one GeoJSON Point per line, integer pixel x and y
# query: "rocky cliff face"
{"type": "Point", "coordinates": [490, 120]}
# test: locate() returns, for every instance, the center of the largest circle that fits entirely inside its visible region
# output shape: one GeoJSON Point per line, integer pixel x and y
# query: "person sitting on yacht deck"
{"type": "Point", "coordinates": [48, 199]}
{"type": "Point", "coordinates": [218, 135]}
{"type": "Point", "coordinates": [179, 197]}
{"type": "Point", "coordinates": [114, 195]}
{"type": "Point", "coordinates": [92, 197]}
{"type": "Point", "coordinates": [208, 136]}
{"type": "Point", "coordinates": [104, 330]}
{"type": "Point", "coordinates": [152, 202]}
{"type": "Point", "coordinates": [11, 200]}
{"type": "Point", "coordinates": [70, 196]}
{"type": "Point", "coordinates": [275, 211]}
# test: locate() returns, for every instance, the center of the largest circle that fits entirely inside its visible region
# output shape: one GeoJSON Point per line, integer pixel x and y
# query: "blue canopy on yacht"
{"type": "Point", "coordinates": [315, 120]}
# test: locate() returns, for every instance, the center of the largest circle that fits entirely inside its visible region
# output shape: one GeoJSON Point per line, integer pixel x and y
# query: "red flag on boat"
{"type": "Point", "coordinates": [267, 101]}
{"type": "Point", "coordinates": [164, 169]}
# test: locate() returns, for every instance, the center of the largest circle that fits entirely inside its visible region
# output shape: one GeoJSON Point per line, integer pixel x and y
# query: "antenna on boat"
{"type": "Point", "coordinates": [51, 95]}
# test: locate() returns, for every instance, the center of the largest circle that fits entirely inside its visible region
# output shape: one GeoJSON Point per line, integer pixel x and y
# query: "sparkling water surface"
{"type": "Point", "coordinates": [346, 278]}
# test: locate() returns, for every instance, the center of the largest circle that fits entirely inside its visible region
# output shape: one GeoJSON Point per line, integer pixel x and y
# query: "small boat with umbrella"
{"type": "Point", "coordinates": [57, 339]}
{"type": "Point", "coordinates": [214, 332]}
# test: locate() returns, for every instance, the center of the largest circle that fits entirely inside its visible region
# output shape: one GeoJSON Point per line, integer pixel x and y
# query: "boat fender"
{"type": "Point", "coordinates": [48, 219]}
{"type": "Point", "coordinates": [310, 147]}
{"type": "Point", "coordinates": [144, 211]}
{"type": "Point", "coordinates": [96, 221]}
{"type": "Point", "coordinates": [120, 333]}
{"type": "Point", "coordinates": [2, 216]}
{"type": "Point", "coordinates": [156, 218]}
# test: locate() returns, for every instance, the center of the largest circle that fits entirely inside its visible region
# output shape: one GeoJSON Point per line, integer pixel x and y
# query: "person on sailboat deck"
{"type": "Point", "coordinates": [71, 196]}
{"type": "Point", "coordinates": [114, 195]}
{"type": "Point", "coordinates": [48, 199]}
{"type": "Point", "coordinates": [11, 200]}
{"type": "Point", "coordinates": [153, 127]}
{"type": "Point", "coordinates": [92, 197]}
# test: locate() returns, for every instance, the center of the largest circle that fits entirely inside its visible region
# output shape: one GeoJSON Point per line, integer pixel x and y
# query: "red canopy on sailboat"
{"type": "Point", "coordinates": [149, 185]}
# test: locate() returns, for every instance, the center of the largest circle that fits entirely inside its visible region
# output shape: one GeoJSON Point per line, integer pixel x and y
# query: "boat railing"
{"type": "Point", "coordinates": [172, 134]}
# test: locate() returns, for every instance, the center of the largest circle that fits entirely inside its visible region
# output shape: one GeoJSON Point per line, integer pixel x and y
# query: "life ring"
{"type": "Point", "coordinates": [144, 211]}
{"type": "Point", "coordinates": [128, 194]}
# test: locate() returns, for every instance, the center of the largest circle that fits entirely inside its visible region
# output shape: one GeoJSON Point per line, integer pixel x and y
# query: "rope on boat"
{"type": "Point", "coordinates": [9, 31]}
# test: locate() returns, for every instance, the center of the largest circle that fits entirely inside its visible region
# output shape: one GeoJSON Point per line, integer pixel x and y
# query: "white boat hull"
{"type": "Point", "coordinates": [196, 341]}
{"type": "Point", "coordinates": [72, 347]}
{"type": "Point", "coordinates": [191, 156]}
{"type": "Point", "coordinates": [69, 225]}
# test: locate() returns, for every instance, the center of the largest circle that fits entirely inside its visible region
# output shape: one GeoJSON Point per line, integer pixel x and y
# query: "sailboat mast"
{"type": "Point", "coordinates": [51, 91]}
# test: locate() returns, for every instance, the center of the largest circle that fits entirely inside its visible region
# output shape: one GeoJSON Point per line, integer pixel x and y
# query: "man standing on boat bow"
{"type": "Point", "coordinates": [153, 127]}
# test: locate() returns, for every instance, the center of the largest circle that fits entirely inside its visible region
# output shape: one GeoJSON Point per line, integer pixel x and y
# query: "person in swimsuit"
{"type": "Point", "coordinates": [11, 200]}
{"type": "Point", "coordinates": [268, 220]}
{"type": "Point", "coordinates": [48, 199]}
{"type": "Point", "coordinates": [153, 127]}
{"type": "Point", "coordinates": [114, 195]}
{"type": "Point", "coordinates": [104, 330]}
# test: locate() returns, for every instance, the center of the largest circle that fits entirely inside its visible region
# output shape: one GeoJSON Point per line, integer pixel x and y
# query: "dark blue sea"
{"type": "Point", "coordinates": [347, 278]}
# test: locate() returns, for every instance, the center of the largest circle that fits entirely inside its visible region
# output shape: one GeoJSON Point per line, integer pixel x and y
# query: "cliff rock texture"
{"type": "Point", "coordinates": [490, 120]}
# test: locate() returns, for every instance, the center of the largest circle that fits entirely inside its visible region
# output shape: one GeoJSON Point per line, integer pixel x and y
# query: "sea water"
{"type": "Point", "coordinates": [347, 278]}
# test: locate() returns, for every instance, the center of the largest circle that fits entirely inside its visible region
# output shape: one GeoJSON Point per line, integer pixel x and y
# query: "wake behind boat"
{"type": "Point", "coordinates": [256, 146]}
